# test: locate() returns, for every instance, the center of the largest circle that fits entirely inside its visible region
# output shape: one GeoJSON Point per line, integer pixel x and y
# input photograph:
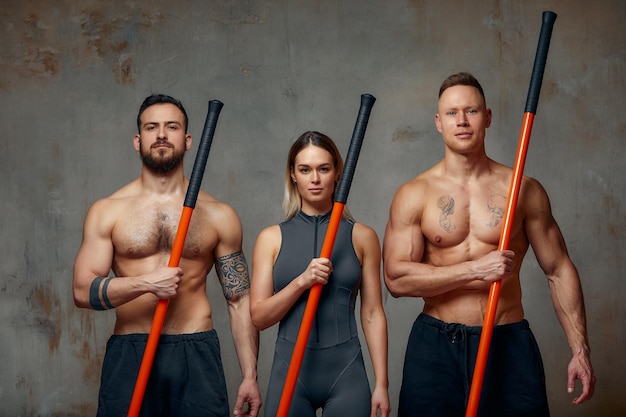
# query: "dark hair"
{"type": "Point", "coordinates": [160, 99]}
{"type": "Point", "coordinates": [462, 78]}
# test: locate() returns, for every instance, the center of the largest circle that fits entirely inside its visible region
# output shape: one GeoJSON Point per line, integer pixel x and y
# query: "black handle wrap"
{"type": "Point", "coordinates": [215, 106]}
{"type": "Point", "coordinates": [367, 101]}
{"type": "Point", "coordinates": [548, 19]}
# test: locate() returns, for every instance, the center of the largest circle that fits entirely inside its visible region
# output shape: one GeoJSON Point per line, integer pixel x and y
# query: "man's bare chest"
{"type": "Point", "coordinates": [146, 231]}
{"type": "Point", "coordinates": [451, 218]}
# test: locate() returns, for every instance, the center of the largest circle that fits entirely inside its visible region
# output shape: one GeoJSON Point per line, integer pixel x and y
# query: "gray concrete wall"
{"type": "Point", "coordinates": [73, 73]}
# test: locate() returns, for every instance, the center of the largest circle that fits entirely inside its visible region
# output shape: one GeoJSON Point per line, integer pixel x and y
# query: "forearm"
{"type": "Point", "coordinates": [267, 312]}
{"type": "Point", "coordinates": [104, 293]}
{"type": "Point", "coordinates": [245, 336]}
{"type": "Point", "coordinates": [416, 279]}
{"type": "Point", "coordinates": [375, 330]}
{"type": "Point", "coordinates": [567, 298]}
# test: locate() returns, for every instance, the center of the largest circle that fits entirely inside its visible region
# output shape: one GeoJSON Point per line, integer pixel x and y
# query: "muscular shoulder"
{"type": "Point", "coordinates": [533, 197]}
{"type": "Point", "coordinates": [216, 211]}
{"type": "Point", "coordinates": [411, 197]}
{"type": "Point", "coordinates": [105, 212]}
{"type": "Point", "coordinates": [220, 218]}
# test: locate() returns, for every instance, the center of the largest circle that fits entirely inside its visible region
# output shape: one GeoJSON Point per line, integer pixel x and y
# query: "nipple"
{"type": "Point", "coordinates": [438, 239]}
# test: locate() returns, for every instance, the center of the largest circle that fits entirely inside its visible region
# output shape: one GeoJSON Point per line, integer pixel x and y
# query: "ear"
{"type": "Point", "coordinates": [488, 123]}
{"type": "Point", "coordinates": [438, 122]}
{"type": "Point", "coordinates": [137, 142]}
{"type": "Point", "coordinates": [188, 142]}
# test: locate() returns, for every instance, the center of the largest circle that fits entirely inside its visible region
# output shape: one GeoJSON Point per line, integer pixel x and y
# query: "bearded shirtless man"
{"type": "Point", "coordinates": [131, 234]}
{"type": "Point", "coordinates": [441, 244]}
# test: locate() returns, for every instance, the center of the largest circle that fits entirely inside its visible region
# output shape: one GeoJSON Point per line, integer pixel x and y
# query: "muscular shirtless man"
{"type": "Point", "coordinates": [441, 244]}
{"type": "Point", "coordinates": [131, 233]}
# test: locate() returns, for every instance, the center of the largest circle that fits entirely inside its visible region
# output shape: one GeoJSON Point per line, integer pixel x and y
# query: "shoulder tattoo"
{"type": "Point", "coordinates": [232, 271]}
{"type": "Point", "coordinates": [446, 204]}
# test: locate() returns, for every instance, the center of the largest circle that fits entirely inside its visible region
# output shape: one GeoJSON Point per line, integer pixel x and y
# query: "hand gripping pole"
{"type": "Point", "coordinates": [505, 235]}
{"type": "Point", "coordinates": [341, 196]}
{"type": "Point", "coordinates": [191, 196]}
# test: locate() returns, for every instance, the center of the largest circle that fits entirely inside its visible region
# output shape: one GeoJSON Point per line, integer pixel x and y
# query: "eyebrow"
{"type": "Point", "coordinates": [176, 122]}
{"type": "Point", "coordinates": [320, 165]}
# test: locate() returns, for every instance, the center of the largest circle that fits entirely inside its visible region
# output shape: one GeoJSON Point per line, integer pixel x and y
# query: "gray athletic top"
{"type": "Point", "coordinates": [302, 239]}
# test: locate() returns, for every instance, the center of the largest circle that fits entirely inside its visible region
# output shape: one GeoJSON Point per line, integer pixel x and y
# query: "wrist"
{"type": "Point", "coordinates": [250, 377]}
{"type": "Point", "coordinates": [580, 350]}
{"type": "Point", "coordinates": [382, 384]}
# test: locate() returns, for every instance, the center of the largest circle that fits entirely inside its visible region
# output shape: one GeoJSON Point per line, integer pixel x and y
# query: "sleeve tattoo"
{"type": "Point", "coordinates": [232, 271]}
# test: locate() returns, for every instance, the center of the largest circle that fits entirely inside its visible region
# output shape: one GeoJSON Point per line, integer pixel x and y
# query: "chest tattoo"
{"type": "Point", "coordinates": [446, 204]}
{"type": "Point", "coordinates": [496, 205]}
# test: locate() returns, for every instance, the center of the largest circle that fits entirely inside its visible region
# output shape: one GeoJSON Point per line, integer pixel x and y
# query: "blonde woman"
{"type": "Point", "coordinates": [286, 265]}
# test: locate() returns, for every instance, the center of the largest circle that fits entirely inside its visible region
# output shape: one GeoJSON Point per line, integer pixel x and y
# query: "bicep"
{"type": "Point", "coordinates": [371, 298]}
{"type": "Point", "coordinates": [95, 254]}
{"type": "Point", "coordinates": [230, 233]}
{"type": "Point", "coordinates": [231, 265]}
{"type": "Point", "coordinates": [543, 232]}
{"type": "Point", "coordinates": [403, 241]}
{"type": "Point", "coordinates": [232, 271]}
{"type": "Point", "coordinates": [263, 258]}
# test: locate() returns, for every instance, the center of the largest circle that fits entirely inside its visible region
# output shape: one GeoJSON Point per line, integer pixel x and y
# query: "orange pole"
{"type": "Point", "coordinates": [494, 290]}
{"type": "Point", "coordinates": [509, 216]}
{"type": "Point", "coordinates": [309, 315]}
{"type": "Point", "coordinates": [191, 197]}
{"type": "Point", "coordinates": [341, 196]}
{"type": "Point", "coordinates": [158, 319]}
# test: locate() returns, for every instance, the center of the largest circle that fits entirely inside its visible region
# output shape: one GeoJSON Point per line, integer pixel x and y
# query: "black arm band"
{"type": "Point", "coordinates": [105, 296]}
{"type": "Point", "coordinates": [94, 294]}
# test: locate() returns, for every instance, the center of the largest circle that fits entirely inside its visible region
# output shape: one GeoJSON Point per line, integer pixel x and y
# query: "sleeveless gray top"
{"type": "Point", "coordinates": [302, 239]}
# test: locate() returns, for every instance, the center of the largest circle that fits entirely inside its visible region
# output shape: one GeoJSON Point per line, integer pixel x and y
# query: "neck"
{"type": "Point", "coordinates": [316, 210]}
{"type": "Point", "coordinates": [172, 182]}
{"type": "Point", "coordinates": [466, 166]}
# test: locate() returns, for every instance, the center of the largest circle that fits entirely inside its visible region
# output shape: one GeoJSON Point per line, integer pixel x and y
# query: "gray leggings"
{"type": "Point", "coordinates": [333, 379]}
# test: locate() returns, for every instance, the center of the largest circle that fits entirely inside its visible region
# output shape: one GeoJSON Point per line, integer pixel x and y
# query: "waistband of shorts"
{"type": "Point", "coordinates": [452, 327]}
{"type": "Point", "coordinates": [165, 338]}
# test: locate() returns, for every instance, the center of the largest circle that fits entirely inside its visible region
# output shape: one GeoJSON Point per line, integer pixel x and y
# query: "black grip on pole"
{"type": "Point", "coordinates": [367, 101]}
{"type": "Point", "coordinates": [548, 19]}
{"type": "Point", "coordinates": [215, 106]}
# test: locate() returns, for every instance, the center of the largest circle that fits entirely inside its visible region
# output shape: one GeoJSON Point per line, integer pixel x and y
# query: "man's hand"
{"type": "Point", "coordinates": [250, 395]}
{"type": "Point", "coordinates": [495, 265]}
{"type": "Point", "coordinates": [164, 281]}
{"type": "Point", "coordinates": [580, 368]}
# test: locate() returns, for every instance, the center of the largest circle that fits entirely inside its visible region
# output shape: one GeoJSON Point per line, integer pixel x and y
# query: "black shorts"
{"type": "Point", "coordinates": [439, 365]}
{"type": "Point", "coordinates": [186, 379]}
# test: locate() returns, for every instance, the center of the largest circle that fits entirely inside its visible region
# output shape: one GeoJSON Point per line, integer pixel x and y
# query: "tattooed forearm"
{"type": "Point", "coordinates": [446, 204]}
{"type": "Point", "coordinates": [232, 270]}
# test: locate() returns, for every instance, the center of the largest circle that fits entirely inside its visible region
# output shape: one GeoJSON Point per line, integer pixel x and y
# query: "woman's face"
{"type": "Point", "coordinates": [315, 176]}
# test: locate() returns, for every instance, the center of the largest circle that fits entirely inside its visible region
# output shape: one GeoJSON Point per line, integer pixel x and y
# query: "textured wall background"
{"type": "Point", "coordinates": [72, 75]}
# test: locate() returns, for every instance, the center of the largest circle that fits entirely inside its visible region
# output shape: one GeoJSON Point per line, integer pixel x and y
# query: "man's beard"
{"type": "Point", "coordinates": [160, 164]}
